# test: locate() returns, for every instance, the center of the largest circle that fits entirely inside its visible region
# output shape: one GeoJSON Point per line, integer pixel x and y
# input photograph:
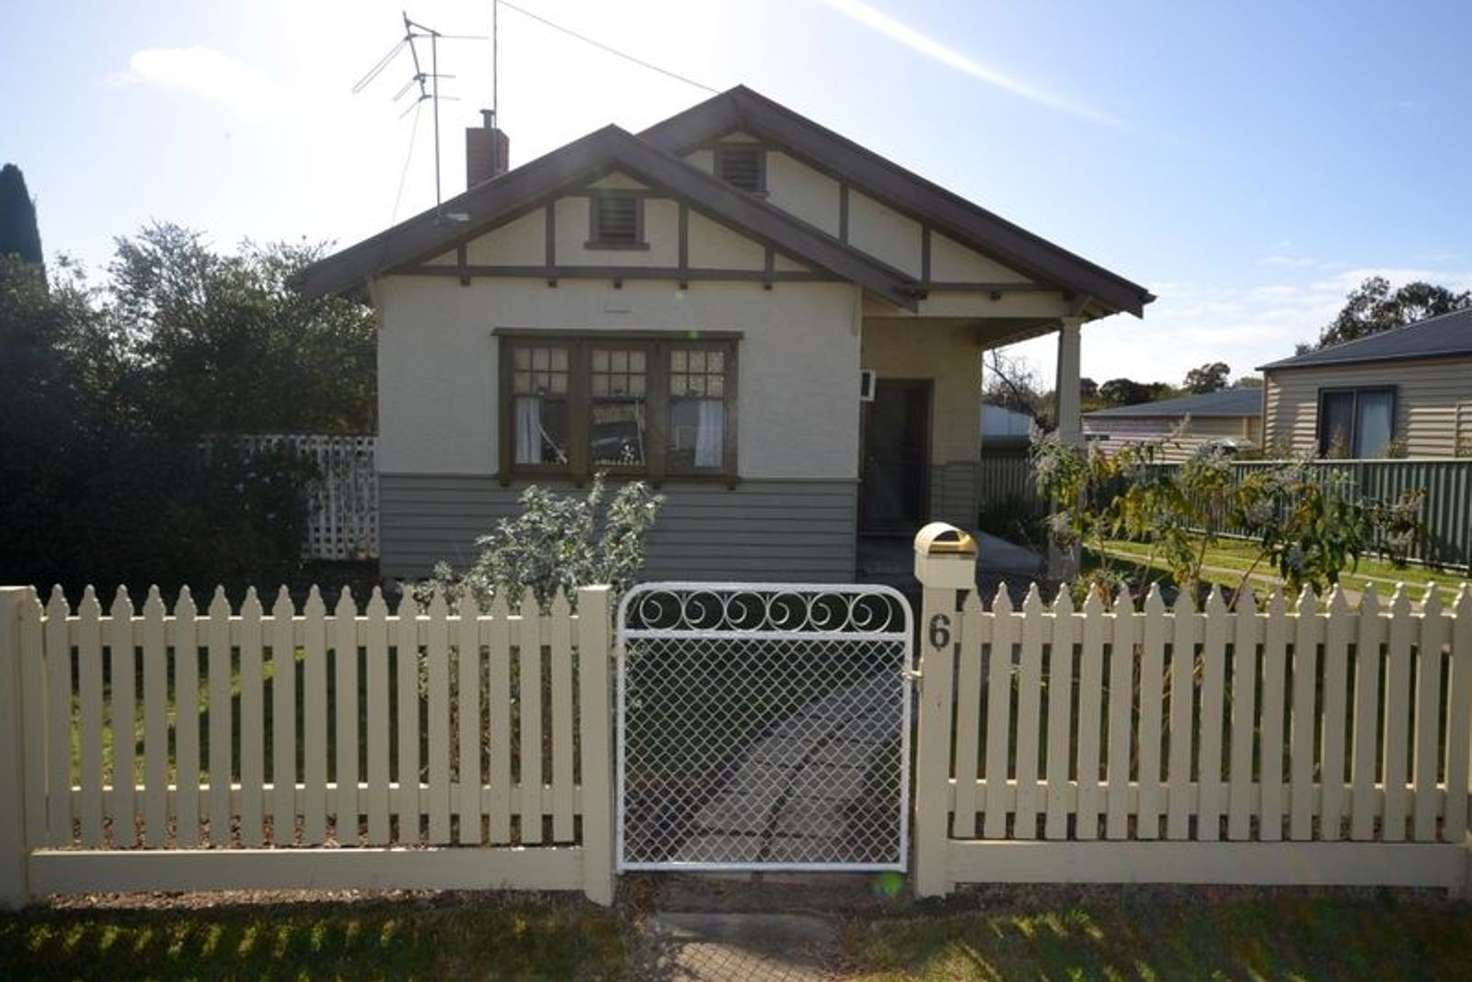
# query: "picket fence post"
{"type": "Point", "coordinates": [14, 889]}
{"type": "Point", "coordinates": [945, 565]}
{"type": "Point", "coordinates": [596, 743]}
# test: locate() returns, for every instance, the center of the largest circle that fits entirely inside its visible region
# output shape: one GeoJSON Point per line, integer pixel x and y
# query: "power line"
{"type": "Point", "coordinates": [611, 50]}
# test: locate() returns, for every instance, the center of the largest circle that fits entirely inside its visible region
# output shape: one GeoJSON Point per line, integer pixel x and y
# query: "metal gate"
{"type": "Point", "coordinates": [763, 726]}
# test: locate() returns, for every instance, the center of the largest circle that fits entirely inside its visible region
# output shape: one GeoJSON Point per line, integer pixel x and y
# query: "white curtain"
{"type": "Point", "coordinates": [710, 433]}
{"type": "Point", "coordinates": [528, 430]}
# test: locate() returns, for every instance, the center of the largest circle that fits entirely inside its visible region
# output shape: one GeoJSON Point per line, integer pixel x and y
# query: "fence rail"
{"type": "Point", "coordinates": [225, 749]}
{"type": "Point", "coordinates": [1321, 744]}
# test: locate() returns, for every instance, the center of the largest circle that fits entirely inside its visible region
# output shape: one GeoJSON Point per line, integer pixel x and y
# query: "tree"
{"type": "Point", "coordinates": [1373, 307]}
{"type": "Point", "coordinates": [112, 396]}
{"type": "Point", "coordinates": [19, 235]}
{"type": "Point", "coordinates": [1088, 388]}
{"type": "Point", "coordinates": [1248, 382]}
{"type": "Point", "coordinates": [1125, 392]}
{"type": "Point", "coordinates": [228, 346]}
{"type": "Point", "coordinates": [1013, 384]}
{"type": "Point", "coordinates": [1208, 378]}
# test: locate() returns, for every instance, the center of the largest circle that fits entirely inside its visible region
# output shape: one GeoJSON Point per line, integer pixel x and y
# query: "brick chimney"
{"type": "Point", "coordinates": [487, 151]}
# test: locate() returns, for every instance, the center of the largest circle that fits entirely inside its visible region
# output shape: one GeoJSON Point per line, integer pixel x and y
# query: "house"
{"type": "Point", "coordinates": [1230, 418]}
{"type": "Point", "coordinates": [702, 305]}
{"type": "Point", "coordinates": [1406, 391]}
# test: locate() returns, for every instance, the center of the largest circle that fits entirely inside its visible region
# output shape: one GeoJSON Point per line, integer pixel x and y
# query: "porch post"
{"type": "Point", "coordinates": [1062, 564]}
{"type": "Point", "coordinates": [1070, 419]}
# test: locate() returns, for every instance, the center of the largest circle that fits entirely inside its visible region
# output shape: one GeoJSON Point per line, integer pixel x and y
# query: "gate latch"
{"type": "Point", "coordinates": [914, 676]}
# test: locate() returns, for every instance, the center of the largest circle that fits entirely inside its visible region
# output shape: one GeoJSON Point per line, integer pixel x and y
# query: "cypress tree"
{"type": "Point", "coordinates": [18, 232]}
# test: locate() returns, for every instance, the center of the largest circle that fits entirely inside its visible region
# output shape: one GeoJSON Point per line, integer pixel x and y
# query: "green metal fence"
{"type": "Point", "coordinates": [1446, 512]}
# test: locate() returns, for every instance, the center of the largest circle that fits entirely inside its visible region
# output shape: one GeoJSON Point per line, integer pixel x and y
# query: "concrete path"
{"type": "Point", "coordinates": [799, 794]}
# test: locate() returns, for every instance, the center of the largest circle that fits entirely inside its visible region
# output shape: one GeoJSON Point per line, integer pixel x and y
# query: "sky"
{"type": "Point", "coordinates": [1249, 162]}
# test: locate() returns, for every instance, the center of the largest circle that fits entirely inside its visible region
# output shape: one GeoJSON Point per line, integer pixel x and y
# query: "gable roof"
{"type": "Point", "coordinates": [743, 109]}
{"type": "Point", "coordinates": [1223, 402]}
{"type": "Point", "coordinates": [432, 232]}
{"type": "Point", "coordinates": [1443, 336]}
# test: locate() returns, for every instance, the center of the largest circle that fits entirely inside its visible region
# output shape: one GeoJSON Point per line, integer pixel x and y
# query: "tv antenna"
{"type": "Point", "coordinates": [427, 83]}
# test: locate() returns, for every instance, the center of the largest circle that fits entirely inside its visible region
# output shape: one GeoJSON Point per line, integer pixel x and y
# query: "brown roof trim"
{"type": "Point", "coordinates": [564, 169]}
{"type": "Point", "coordinates": [741, 108]}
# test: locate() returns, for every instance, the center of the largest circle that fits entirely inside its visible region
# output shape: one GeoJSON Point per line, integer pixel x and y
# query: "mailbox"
{"type": "Point", "coordinates": [945, 556]}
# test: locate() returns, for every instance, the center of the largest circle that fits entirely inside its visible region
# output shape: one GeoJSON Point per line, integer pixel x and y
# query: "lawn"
{"type": "Point", "coordinates": [1144, 934]}
{"type": "Point", "coordinates": [1229, 558]}
{"type": "Point", "coordinates": [451, 938]}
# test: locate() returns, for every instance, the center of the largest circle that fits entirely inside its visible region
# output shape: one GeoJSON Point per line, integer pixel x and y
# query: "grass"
{"type": "Point", "coordinates": [1294, 936]}
{"type": "Point", "coordinates": [1237, 555]}
{"type": "Point", "coordinates": [493, 939]}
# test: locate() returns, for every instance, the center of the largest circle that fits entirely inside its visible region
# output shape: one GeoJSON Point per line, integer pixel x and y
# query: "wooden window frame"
{"type": "Point", "coordinates": [722, 149]}
{"type": "Point", "coordinates": [595, 232]}
{"type": "Point", "coordinates": [1354, 416]}
{"type": "Point", "coordinates": [580, 344]}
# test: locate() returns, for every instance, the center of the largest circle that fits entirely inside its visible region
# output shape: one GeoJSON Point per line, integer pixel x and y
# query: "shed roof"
{"type": "Point", "coordinates": [1443, 336]}
{"type": "Point", "coordinates": [1223, 402]}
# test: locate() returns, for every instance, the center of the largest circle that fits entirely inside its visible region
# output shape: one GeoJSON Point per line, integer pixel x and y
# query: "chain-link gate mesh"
{"type": "Point", "coordinates": [763, 726]}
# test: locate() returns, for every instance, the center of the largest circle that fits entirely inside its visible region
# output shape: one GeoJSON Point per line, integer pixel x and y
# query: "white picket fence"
{"type": "Point", "coordinates": [452, 749]}
{"type": "Point", "coordinates": [342, 515]}
{"type": "Point", "coordinates": [1318, 745]}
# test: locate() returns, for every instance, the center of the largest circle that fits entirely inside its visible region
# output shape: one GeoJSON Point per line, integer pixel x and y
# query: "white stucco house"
{"type": "Point", "coordinates": [778, 327]}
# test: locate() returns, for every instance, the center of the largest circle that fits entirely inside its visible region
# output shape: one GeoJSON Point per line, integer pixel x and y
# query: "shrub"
{"type": "Point", "coordinates": [558, 542]}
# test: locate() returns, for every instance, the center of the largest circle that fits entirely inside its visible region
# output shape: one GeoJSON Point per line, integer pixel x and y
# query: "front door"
{"type": "Point", "coordinates": [895, 473]}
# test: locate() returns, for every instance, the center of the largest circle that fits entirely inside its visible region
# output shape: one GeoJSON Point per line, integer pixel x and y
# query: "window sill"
{"type": "Point", "coordinates": [617, 476]}
{"type": "Point", "coordinates": [617, 246]}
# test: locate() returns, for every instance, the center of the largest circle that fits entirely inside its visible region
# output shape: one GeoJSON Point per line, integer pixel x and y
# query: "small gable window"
{"type": "Point", "coordinates": [616, 221]}
{"type": "Point", "coordinates": [742, 165]}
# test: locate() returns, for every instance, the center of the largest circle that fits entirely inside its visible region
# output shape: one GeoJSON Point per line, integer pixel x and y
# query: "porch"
{"type": "Point", "coordinates": [921, 437]}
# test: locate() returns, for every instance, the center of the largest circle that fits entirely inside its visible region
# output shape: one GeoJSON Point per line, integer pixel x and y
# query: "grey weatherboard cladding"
{"type": "Point", "coordinates": [765, 530]}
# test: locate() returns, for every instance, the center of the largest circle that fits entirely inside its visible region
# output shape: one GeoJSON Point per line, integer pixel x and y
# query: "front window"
{"type": "Point", "coordinates": [640, 405]}
{"type": "Point", "coordinates": [540, 386]}
{"type": "Point", "coordinates": [618, 430]}
{"type": "Point", "coordinates": [1356, 422]}
{"type": "Point", "coordinates": [697, 409]}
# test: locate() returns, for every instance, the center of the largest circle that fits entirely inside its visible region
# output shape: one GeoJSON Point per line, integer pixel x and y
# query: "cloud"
{"type": "Point", "coordinates": [923, 44]}
{"type": "Point", "coordinates": [204, 72]}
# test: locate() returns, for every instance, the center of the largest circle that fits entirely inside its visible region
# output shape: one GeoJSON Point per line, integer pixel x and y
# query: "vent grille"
{"type": "Point", "coordinates": [617, 219]}
{"type": "Point", "coordinates": [741, 167]}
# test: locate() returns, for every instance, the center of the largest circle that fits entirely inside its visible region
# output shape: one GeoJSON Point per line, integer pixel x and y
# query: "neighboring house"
{"type": "Point", "coordinates": [1229, 418]}
{"type": "Point", "coordinates": [694, 305]}
{"type": "Point", "coordinates": [1407, 390]}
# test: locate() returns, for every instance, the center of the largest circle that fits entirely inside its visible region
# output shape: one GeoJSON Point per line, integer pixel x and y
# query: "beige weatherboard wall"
{"type": "Point", "coordinates": [1433, 403]}
{"type": "Point", "coordinates": [1113, 433]}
